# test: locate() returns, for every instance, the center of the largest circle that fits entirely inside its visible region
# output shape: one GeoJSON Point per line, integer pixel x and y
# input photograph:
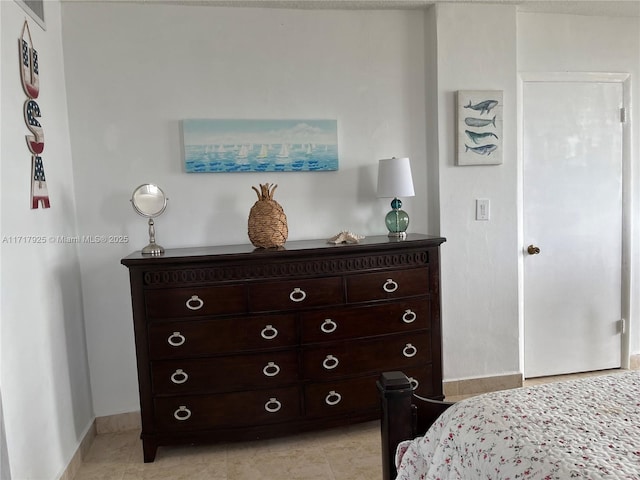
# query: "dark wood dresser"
{"type": "Point", "coordinates": [235, 343]}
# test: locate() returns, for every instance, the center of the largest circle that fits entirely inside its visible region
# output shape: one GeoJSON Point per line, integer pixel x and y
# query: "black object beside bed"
{"type": "Point", "coordinates": [404, 416]}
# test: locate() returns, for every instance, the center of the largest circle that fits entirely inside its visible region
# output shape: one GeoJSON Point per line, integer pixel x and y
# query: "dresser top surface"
{"type": "Point", "coordinates": [290, 248]}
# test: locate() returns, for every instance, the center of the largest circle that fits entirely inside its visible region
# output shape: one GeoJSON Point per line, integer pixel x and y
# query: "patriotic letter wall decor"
{"type": "Point", "coordinates": [31, 84]}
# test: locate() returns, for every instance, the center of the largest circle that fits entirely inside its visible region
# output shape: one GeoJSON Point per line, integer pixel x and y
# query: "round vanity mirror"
{"type": "Point", "coordinates": [150, 201]}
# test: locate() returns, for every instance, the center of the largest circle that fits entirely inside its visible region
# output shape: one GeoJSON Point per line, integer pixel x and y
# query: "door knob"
{"type": "Point", "coordinates": [533, 250]}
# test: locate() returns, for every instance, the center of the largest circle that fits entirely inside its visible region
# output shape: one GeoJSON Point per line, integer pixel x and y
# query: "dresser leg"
{"type": "Point", "coordinates": [149, 449]}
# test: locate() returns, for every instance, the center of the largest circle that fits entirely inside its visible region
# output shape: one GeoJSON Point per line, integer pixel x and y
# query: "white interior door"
{"type": "Point", "coordinates": [572, 207]}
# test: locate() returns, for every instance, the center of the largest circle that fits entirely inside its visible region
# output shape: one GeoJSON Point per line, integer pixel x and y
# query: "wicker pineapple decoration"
{"type": "Point", "coordinates": [267, 221]}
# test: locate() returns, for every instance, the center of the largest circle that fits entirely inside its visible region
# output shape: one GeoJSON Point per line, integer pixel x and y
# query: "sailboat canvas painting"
{"type": "Point", "coordinates": [223, 145]}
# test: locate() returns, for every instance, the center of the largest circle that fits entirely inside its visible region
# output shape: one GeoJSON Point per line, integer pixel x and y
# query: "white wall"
{"type": "Point", "coordinates": [46, 398]}
{"type": "Point", "coordinates": [4, 459]}
{"type": "Point", "coordinates": [477, 51]}
{"type": "Point", "coordinates": [388, 77]}
{"type": "Point", "coordinates": [483, 47]}
{"type": "Point", "coordinates": [558, 43]}
{"type": "Point", "coordinates": [134, 71]}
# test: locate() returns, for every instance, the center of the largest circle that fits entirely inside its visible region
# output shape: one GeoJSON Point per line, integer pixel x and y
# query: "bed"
{"type": "Point", "coordinates": [586, 428]}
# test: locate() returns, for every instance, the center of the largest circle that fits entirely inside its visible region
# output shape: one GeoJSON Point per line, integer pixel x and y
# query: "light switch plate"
{"type": "Point", "coordinates": [483, 207]}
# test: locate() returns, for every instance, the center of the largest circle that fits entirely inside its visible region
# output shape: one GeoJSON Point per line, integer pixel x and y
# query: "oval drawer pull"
{"type": "Point", "coordinates": [269, 332]}
{"type": "Point", "coordinates": [414, 383]}
{"type": "Point", "coordinates": [182, 413]}
{"type": "Point", "coordinates": [272, 405]}
{"type": "Point", "coordinates": [330, 362]}
{"type": "Point", "coordinates": [298, 295]}
{"type": "Point", "coordinates": [176, 339]}
{"type": "Point", "coordinates": [328, 326]}
{"type": "Point", "coordinates": [179, 376]}
{"type": "Point", "coordinates": [409, 316]}
{"type": "Point", "coordinates": [390, 286]}
{"type": "Point", "coordinates": [333, 398]}
{"type": "Point", "coordinates": [409, 350]}
{"type": "Point", "coordinates": [194, 303]}
{"type": "Point", "coordinates": [271, 369]}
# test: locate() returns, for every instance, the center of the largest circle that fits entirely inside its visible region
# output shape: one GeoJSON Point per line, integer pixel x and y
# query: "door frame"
{"type": "Point", "coordinates": [626, 235]}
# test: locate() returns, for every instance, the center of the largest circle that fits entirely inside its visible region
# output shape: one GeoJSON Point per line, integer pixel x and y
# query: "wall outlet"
{"type": "Point", "coordinates": [483, 207]}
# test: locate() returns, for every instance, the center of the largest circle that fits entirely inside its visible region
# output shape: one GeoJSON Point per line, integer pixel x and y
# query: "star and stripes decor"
{"type": "Point", "coordinates": [30, 76]}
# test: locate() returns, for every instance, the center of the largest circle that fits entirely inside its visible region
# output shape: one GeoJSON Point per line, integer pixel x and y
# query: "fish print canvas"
{"type": "Point", "coordinates": [480, 127]}
{"type": "Point", "coordinates": [225, 145]}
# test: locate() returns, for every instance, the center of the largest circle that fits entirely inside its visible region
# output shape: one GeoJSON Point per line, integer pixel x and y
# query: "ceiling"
{"type": "Point", "coordinates": [617, 8]}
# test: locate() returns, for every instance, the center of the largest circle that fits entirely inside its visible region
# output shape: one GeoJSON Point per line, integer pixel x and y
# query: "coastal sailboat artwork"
{"type": "Point", "coordinates": [480, 127]}
{"type": "Point", "coordinates": [221, 145]}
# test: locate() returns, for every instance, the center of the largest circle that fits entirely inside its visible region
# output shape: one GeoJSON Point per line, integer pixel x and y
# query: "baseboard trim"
{"type": "Point", "coordinates": [81, 452]}
{"type": "Point", "coordinates": [471, 386]}
{"type": "Point", "coordinates": [634, 362]}
{"type": "Point", "coordinates": [118, 423]}
{"type": "Point", "coordinates": [108, 424]}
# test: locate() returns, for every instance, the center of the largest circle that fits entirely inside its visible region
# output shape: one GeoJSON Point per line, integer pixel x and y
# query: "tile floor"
{"type": "Point", "coordinates": [350, 453]}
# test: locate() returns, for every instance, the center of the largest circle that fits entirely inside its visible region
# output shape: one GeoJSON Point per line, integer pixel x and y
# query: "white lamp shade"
{"type": "Point", "coordinates": [394, 178]}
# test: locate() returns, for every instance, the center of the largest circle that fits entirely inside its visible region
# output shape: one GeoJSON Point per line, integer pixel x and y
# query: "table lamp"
{"type": "Point", "coordinates": [395, 180]}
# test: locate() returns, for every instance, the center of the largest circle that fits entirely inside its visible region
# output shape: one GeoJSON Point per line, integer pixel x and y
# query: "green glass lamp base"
{"type": "Point", "coordinates": [397, 220]}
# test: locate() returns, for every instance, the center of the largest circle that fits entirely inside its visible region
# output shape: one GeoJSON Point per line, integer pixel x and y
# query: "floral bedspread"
{"type": "Point", "coordinates": [587, 428]}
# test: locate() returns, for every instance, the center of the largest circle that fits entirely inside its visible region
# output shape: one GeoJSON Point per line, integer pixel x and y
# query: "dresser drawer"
{"type": "Point", "coordinates": [368, 321]}
{"type": "Point", "coordinates": [287, 295]}
{"type": "Point", "coordinates": [421, 379]}
{"type": "Point", "coordinates": [395, 352]}
{"type": "Point", "coordinates": [342, 396]}
{"type": "Point", "coordinates": [227, 409]}
{"type": "Point", "coordinates": [224, 374]}
{"type": "Point", "coordinates": [387, 285]}
{"type": "Point", "coordinates": [220, 336]}
{"type": "Point", "coordinates": [196, 301]}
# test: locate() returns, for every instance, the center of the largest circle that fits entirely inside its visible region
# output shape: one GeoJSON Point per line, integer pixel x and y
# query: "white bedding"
{"type": "Point", "coordinates": [587, 428]}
